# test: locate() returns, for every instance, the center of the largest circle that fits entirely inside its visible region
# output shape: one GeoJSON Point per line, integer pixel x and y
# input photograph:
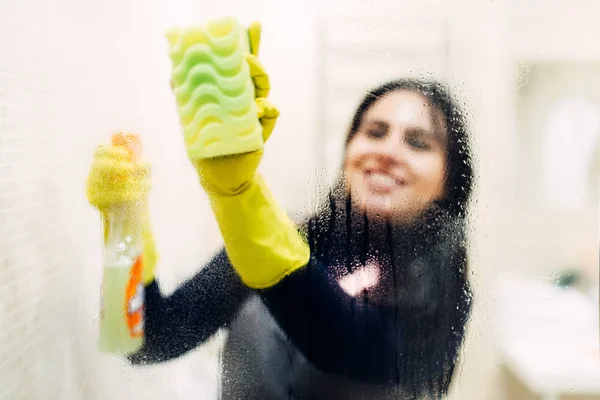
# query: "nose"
{"type": "Point", "coordinates": [391, 149]}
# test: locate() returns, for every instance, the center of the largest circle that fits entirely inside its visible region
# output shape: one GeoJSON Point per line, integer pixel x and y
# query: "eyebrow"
{"type": "Point", "coordinates": [437, 135]}
{"type": "Point", "coordinates": [379, 122]}
{"type": "Point", "coordinates": [421, 131]}
{"type": "Point", "coordinates": [410, 129]}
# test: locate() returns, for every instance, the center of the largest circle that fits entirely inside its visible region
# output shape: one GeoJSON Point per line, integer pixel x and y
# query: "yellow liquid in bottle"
{"type": "Point", "coordinates": [122, 297]}
{"type": "Point", "coordinates": [119, 332]}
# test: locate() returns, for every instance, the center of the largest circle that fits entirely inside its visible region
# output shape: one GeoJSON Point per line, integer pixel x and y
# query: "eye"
{"type": "Point", "coordinates": [418, 143]}
{"type": "Point", "coordinates": [376, 133]}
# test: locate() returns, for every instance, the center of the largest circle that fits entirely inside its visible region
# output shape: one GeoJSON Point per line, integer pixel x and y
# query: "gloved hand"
{"type": "Point", "coordinates": [230, 175]}
{"type": "Point", "coordinates": [116, 179]}
{"type": "Point", "coordinates": [261, 241]}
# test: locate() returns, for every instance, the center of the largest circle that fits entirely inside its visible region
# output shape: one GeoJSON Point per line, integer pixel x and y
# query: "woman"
{"type": "Point", "coordinates": [379, 310]}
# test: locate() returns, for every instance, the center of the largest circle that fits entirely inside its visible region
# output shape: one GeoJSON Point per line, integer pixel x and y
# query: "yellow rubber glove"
{"type": "Point", "coordinates": [115, 179]}
{"type": "Point", "coordinates": [262, 242]}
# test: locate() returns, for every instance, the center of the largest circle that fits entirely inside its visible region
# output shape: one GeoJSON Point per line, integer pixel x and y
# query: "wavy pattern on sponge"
{"type": "Point", "coordinates": [213, 89]}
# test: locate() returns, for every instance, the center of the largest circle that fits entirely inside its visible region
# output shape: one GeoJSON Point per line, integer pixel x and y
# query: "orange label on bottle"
{"type": "Point", "coordinates": [134, 300]}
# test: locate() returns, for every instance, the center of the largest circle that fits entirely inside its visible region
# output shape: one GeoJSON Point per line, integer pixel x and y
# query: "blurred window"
{"type": "Point", "coordinates": [570, 147]}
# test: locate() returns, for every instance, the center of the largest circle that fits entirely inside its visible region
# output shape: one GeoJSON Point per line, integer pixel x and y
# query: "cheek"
{"type": "Point", "coordinates": [350, 167]}
{"type": "Point", "coordinates": [354, 147]}
{"type": "Point", "coordinates": [355, 154]}
{"type": "Point", "coordinates": [431, 170]}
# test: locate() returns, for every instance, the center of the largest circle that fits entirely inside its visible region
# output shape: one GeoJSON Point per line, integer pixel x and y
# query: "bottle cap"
{"type": "Point", "coordinates": [131, 141]}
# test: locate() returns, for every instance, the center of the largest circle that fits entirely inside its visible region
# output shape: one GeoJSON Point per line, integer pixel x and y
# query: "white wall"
{"type": "Point", "coordinates": [71, 73]}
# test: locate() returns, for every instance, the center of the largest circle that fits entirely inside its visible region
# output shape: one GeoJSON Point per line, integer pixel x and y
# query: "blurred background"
{"type": "Point", "coordinates": [527, 73]}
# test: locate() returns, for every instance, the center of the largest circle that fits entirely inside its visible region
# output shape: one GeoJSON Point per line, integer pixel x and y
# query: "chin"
{"type": "Point", "coordinates": [385, 210]}
{"type": "Point", "coordinates": [377, 209]}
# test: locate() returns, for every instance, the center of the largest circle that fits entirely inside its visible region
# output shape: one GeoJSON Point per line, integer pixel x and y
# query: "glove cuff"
{"type": "Point", "coordinates": [262, 242]}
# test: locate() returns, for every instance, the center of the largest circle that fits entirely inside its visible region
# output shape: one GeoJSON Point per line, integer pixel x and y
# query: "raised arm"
{"type": "Point", "coordinates": [262, 242]}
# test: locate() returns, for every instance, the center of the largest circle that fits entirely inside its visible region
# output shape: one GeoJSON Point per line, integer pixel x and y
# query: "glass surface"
{"type": "Point", "coordinates": [379, 311]}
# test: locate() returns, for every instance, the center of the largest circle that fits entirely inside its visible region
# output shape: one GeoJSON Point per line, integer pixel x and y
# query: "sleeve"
{"type": "Point", "coordinates": [180, 322]}
{"type": "Point", "coordinates": [353, 337]}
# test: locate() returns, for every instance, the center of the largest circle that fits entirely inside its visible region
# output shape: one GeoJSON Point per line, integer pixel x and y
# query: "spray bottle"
{"type": "Point", "coordinates": [122, 294]}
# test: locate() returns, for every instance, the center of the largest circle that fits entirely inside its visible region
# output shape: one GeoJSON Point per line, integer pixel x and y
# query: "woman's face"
{"type": "Point", "coordinates": [395, 164]}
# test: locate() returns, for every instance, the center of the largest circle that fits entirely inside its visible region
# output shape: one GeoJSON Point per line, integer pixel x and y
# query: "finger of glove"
{"type": "Point", "coordinates": [254, 32]}
{"type": "Point", "coordinates": [102, 194]}
{"type": "Point", "coordinates": [143, 170]}
{"type": "Point", "coordinates": [116, 153]}
{"type": "Point", "coordinates": [267, 114]}
{"type": "Point", "coordinates": [114, 179]}
{"type": "Point", "coordinates": [112, 171]}
{"type": "Point", "coordinates": [259, 76]}
{"type": "Point", "coordinates": [107, 200]}
{"type": "Point", "coordinates": [116, 160]}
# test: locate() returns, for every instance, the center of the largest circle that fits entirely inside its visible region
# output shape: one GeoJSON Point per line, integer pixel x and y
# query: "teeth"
{"type": "Point", "coordinates": [382, 179]}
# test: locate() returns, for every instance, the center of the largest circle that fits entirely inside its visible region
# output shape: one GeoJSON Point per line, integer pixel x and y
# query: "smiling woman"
{"type": "Point", "coordinates": [379, 309]}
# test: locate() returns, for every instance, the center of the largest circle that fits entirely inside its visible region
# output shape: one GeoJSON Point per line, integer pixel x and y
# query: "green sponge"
{"type": "Point", "coordinates": [213, 89]}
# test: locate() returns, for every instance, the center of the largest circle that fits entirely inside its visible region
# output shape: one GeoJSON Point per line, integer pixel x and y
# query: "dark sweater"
{"type": "Point", "coordinates": [306, 338]}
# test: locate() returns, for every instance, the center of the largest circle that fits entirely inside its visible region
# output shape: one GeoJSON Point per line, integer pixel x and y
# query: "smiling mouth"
{"type": "Point", "coordinates": [382, 180]}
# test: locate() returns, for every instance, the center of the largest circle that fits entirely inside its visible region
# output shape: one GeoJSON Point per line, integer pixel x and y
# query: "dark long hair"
{"type": "Point", "coordinates": [428, 260]}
